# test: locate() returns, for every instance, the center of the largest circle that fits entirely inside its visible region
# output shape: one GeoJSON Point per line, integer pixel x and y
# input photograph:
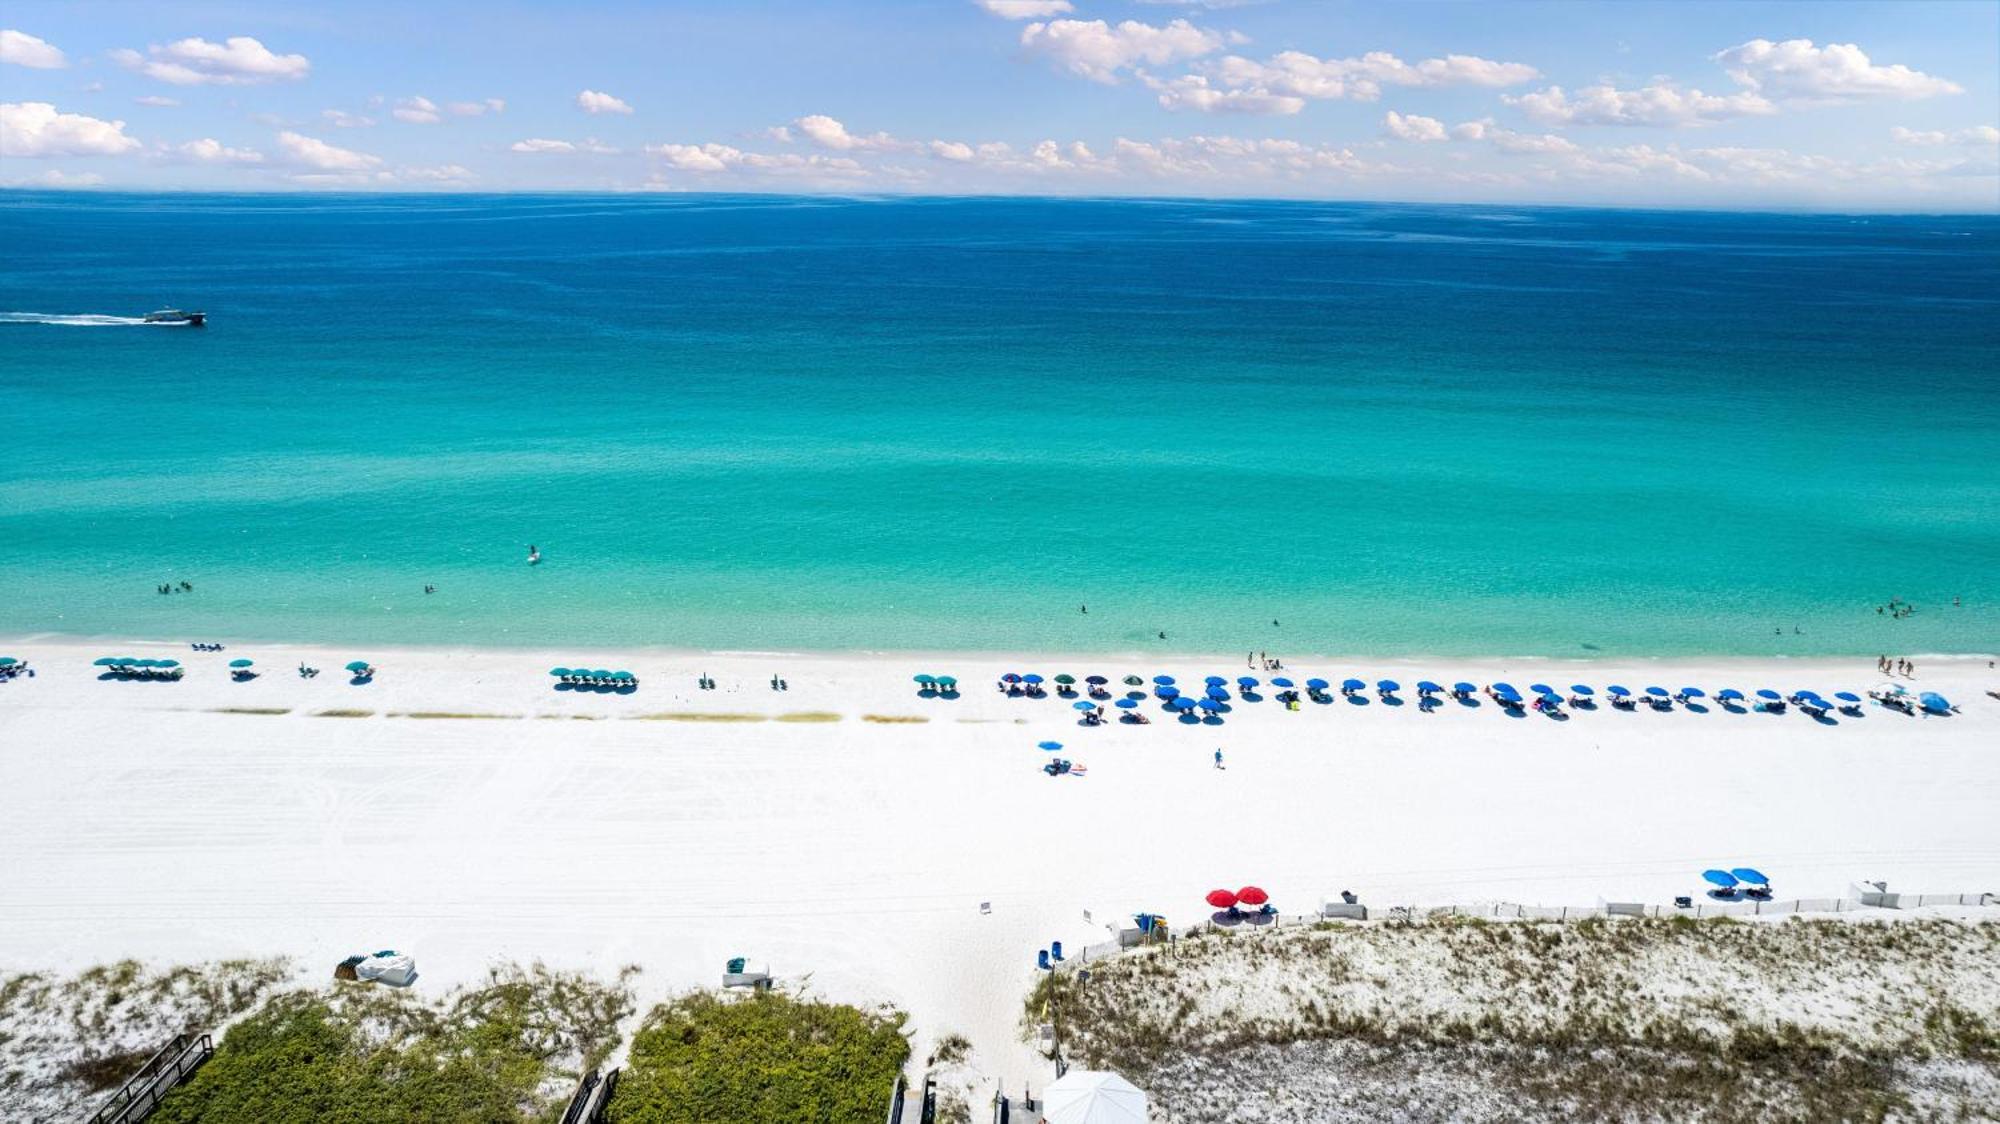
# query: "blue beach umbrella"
{"type": "Point", "coordinates": [1164, 680]}
{"type": "Point", "coordinates": [947, 681]}
{"type": "Point", "coordinates": [1505, 689]}
{"type": "Point", "coordinates": [106, 661]}
{"type": "Point", "coordinates": [1428, 687]}
{"type": "Point", "coordinates": [1806, 694]}
{"type": "Point", "coordinates": [1693, 693]}
{"type": "Point", "coordinates": [1218, 694]}
{"type": "Point", "coordinates": [1581, 689]}
{"type": "Point", "coordinates": [8, 661]}
{"type": "Point", "coordinates": [1720, 878]}
{"type": "Point", "coordinates": [1352, 684]}
{"type": "Point", "coordinates": [1281, 682]}
{"type": "Point", "coordinates": [1215, 681]}
{"type": "Point", "coordinates": [600, 673]}
{"type": "Point", "coordinates": [1181, 704]}
{"type": "Point", "coordinates": [1728, 693]}
{"type": "Point", "coordinates": [1031, 678]}
{"type": "Point", "coordinates": [559, 671]}
{"type": "Point", "coordinates": [1541, 688]}
{"type": "Point", "coordinates": [926, 680]}
{"type": "Point", "coordinates": [1389, 685]}
{"type": "Point", "coordinates": [1083, 704]}
{"type": "Point", "coordinates": [239, 663]}
{"type": "Point", "coordinates": [1767, 693]}
{"type": "Point", "coordinates": [1934, 702]}
{"type": "Point", "coordinates": [622, 676]}
{"type": "Point", "coordinates": [1316, 684]}
{"type": "Point", "coordinates": [1210, 704]}
{"type": "Point", "coordinates": [1847, 696]}
{"type": "Point", "coordinates": [1657, 692]}
{"type": "Point", "coordinates": [1245, 682]}
{"type": "Point", "coordinates": [1050, 746]}
{"type": "Point", "coordinates": [1619, 692]}
{"type": "Point", "coordinates": [1751, 875]}
{"type": "Point", "coordinates": [1170, 693]}
{"type": "Point", "coordinates": [1126, 704]}
{"type": "Point", "coordinates": [362, 665]}
{"type": "Point", "coordinates": [1464, 688]}
{"type": "Point", "coordinates": [166, 663]}
{"type": "Point", "coordinates": [1096, 680]}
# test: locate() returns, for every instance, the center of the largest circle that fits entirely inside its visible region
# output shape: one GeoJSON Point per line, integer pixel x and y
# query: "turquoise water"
{"type": "Point", "coordinates": [765, 422]}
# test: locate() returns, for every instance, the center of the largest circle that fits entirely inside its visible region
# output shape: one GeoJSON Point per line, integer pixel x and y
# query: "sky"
{"type": "Point", "coordinates": [1801, 105]}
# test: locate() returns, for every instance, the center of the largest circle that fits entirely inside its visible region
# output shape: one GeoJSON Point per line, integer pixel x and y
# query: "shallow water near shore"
{"type": "Point", "coordinates": [737, 422]}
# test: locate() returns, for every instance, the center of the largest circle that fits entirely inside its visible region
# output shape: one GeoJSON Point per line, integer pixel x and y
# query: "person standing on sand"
{"type": "Point", "coordinates": [1218, 757]}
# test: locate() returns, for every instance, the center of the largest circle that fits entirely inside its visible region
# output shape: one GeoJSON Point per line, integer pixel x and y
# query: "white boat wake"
{"type": "Point", "coordinates": [72, 320]}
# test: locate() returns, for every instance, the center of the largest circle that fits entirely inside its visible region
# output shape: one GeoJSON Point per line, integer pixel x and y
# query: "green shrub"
{"type": "Point", "coordinates": [765, 1058]}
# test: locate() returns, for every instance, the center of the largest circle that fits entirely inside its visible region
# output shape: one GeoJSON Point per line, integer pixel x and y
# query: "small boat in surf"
{"type": "Point", "coordinates": [534, 556]}
{"type": "Point", "coordinates": [177, 316]}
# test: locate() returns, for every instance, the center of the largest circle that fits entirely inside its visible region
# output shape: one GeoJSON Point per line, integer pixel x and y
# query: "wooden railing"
{"type": "Point", "coordinates": [164, 1072]}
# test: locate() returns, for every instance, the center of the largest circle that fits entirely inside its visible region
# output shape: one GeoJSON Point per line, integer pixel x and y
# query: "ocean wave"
{"type": "Point", "coordinates": [72, 320]}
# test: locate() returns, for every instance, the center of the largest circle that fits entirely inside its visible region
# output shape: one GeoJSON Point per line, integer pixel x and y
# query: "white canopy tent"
{"type": "Point", "coordinates": [1091, 1096]}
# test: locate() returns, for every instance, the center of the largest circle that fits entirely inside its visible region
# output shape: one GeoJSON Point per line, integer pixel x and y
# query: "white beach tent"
{"type": "Point", "coordinates": [1093, 1096]}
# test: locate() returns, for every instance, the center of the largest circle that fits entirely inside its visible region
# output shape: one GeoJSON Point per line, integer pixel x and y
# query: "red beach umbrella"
{"type": "Point", "coordinates": [1252, 895]}
{"type": "Point", "coordinates": [1221, 899]}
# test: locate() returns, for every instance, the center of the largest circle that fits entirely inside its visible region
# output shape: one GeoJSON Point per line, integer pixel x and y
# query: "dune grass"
{"type": "Point", "coordinates": [702, 716]}
{"type": "Point", "coordinates": [809, 716]}
{"type": "Point", "coordinates": [507, 1051]}
{"type": "Point", "coordinates": [894, 719]}
{"type": "Point", "coordinates": [447, 714]}
{"type": "Point", "coordinates": [761, 1058]}
{"type": "Point", "coordinates": [251, 710]}
{"type": "Point", "coordinates": [344, 714]}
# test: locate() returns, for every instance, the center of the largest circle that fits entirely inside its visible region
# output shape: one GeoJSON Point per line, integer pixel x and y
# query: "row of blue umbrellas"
{"type": "Point", "coordinates": [1216, 690]}
{"type": "Point", "coordinates": [1736, 876]}
{"type": "Point", "coordinates": [559, 672]}
{"type": "Point", "coordinates": [128, 661]}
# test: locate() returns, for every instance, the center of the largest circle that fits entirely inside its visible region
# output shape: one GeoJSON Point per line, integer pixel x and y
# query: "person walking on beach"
{"type": "Point", "coordinates": [1218, 757]}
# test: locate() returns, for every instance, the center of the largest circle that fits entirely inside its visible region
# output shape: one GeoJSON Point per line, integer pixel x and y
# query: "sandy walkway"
{"type": "Point", "coordinates": [145, 820]}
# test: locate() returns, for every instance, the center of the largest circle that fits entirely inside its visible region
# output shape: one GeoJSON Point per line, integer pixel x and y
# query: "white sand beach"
{"type": "Point", "coordinates": [462, 809]}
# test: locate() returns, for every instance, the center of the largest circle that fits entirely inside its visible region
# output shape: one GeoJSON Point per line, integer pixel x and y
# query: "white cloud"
{"type": "Point", "coordinates": [340, 118]}
{"type": "Point", "coordinates": [1977, 134]}
{"type": "Point", "coordinates": [956, 151]}
{"type": "Point", "coordinates": [478, 108]}
{"type": "Point", "coordinates": [309, 152]}
{"type": "Point", "coordinates": [156, 101]}
{"type": "Point", "coordinates": [236, 61]}
{"type": "Point", "coordinates": [36, 128]}
{"type": "Point", "coordinates": [55, 177]}
{"type": "Point", "coordinates": [442, 173]}
{"type": "Point", "coordinates": [211, 151]}
{"type": "Point", "coordinates": [545, 146]}
{"type": "Point", "coordinates": [1412, 127]}
{"type": "Point", "coordinates": [826, 132]}
{"type": "Point", "coordinates": [416, 110]}
{"type": "Point", "coordinates": [1838, 71]}
{"type": "Point", "coordinates": [1027, 9]}
{"type": "Point", "coordinates": [712, 158]}
{"type": "Point", "coordinates": [592, 101]}
{"type": "Point", "coordinates": [1098, 51]}
{"type": "Point", "coordinates": [1295, 74]}
{"type": "Point", "coordinates": [23, 49]}
{"type": "Point", "coordinates": [1660, 105]}
{"type": "Point", "coordinates": [1192, 91]}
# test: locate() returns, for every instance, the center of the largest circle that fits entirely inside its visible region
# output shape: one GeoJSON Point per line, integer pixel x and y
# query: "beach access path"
{"type": "Point", "coordinates": [462, 809]}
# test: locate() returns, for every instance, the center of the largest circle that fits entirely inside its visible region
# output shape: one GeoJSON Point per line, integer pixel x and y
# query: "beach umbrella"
{"type": "Point", "coordinates": [1252, 895]}
{"type": "Point", "coordinates": [1031, 677]}
{"type": "Point", "coordinates": [362, 665]}
{"type": "Point", "coordinates": [1182, 704]}
{"type": "Point", "coordinates": [924, 679]}
{"type": "Point", "coordinates": [1281, 682]}
{"type": "Point", "coordinates": [1315, 684]}
{"type": "Point", "coordinates": [1580, 689]}
{"type": "Point", "coordinates": [1246, 682]}
{"type": "Point", "coordinates": [1093, 1096]}
{"type": "Point", "coordinates": [1428, 688]}
{"type": "Point", "coordinates": [106, 661]}
{"type": "Point", "coordinates": [1126, 704]}
{"type": "Point", "coordinates": [1657, 692]}
{"type": "Point", "coordinates": [946, 681]}
{"type": "Point", "coordinates": [559, 671]}
{"type": "Point", "coordinates": [1693, 693]}
{"type": "Point", "coordinates": [600, 673]}
{"type": "Point", "coordinates": [8, 661]}
{"type": "Point", "coordinates": [1096, 680]}
{"type": "Point", "coordinates": [1619, 692]}
{"type": "Point", "coordinates": [1084, 704]}
{"type": "Point", "coordinates": [1134, 681]}
{"type": "Point", "coordinates": [1169, 692]}
{"type": "Point", "coordinates": [1351, 684]}
{"type": "Point", "coordinates": [239, 663]}
{"type": "Point", "coordinates": [1729, 693]}
{"type": "Point", "coordinates": [1463, 688]}
{"type": "Point", "coordinates": [1215, 681]}
{"type": "Point", "coordinates": [1389, 685]}
{"type": "Point", "coordinates": [1506, 691]}
{"type": "Point", "coordinates": [1934, 702]}
{"type": "Point", "coordinates": [1751, 875]}
{"type": "Point", "coordinates": [1211, 704]}
{"type": "Point", "coordinates": [622, 676]}
{"type": "Point", "coordinates": [1847, 696]}
{"type": "Point", "coordinates": [1221, 899]}
{"type": "Point", "coordinates": [1010, 677]}
{"type": "Point", "coordinates": [166, 663]}
{"type": "Point", "coordinates": [1217, 693]}
{"type": "Point", "coordinates": [1767, 693]}
{"type": "Point", "coordinates": [1720, 878]}
{"type": "Point", "coordinates": [1540, 688]}
{"type": "Point", "coordinates": [1164, 680]}
{"type": "Point", "coordinates": [1050, 746]}
{"type": "Point", "coordinates": [1066, 680]}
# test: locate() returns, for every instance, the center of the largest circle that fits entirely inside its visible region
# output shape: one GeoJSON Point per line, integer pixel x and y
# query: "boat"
{"type": "Point", "coordinates": [177, 316]}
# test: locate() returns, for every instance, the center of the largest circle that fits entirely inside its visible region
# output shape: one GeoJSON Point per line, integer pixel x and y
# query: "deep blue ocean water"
{"type": "Point", "coordinates": [756, 422]}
